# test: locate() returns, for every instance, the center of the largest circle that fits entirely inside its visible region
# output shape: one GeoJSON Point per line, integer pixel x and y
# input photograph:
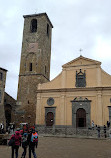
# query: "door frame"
{"type": "Point", "coordinates": [84, 103]}
{"type": "Point", "coordinates": [50, 109]}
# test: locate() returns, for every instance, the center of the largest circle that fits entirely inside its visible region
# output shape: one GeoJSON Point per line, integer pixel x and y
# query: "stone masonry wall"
{"type": "Point", "coordinates": [36, 49]}
{"type": "Point", "coordinates": [2, 90]}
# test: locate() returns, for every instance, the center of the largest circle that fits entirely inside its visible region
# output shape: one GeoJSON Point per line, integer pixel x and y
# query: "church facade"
{"type": "Point", "coordinates": [79, 94]}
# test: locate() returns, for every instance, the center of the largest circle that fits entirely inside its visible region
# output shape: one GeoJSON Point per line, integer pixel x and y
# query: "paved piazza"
{"type": "Point", "coordinates": [52, 147]}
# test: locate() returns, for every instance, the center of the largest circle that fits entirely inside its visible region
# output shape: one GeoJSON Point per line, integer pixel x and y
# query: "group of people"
{"type": "Point", "coordinates": [104, 129]}
{"type": "Point", "coordinates": [28, 140]}
{"type": "Point", "coordinates": [10, 129]}
{"type": "Point", "coordinates": [99, 129]}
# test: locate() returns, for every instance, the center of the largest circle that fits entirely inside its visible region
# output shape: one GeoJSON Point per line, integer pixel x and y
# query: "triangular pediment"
{"type": "Point", "coordinates": [81, 61]}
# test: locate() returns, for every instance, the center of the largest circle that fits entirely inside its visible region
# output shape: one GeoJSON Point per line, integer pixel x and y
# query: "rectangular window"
{"type": "Point", "coordinates": [30, 67]}
{"type": "Point", "coordinates": [1, 76]}
{"type": "Point", "coordinates": [47, 29]}
{"type": "Point", "coordinates": [80, 82]}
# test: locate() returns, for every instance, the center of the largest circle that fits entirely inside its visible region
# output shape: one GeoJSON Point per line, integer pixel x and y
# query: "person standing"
{"type": "Point", "coordinates": [11, 129]}
{"type": "Point", "coordinates": [105, 131]}
{"type": "Point", "coordinates": [108, 124]}
{"type": "Point", "coordinates": [24, 144]}
{"type": "Point", "coordinates": [32, 142]}
{"type": "Point", "coordinates": [2, 128]}
{"type": "Point", "coordinates": [15, 147]}
{"type": "Point", "coordinates": [13, 126]}
{"type": "Point", "coordinates": [98, 129]}
{"type": "Point", "coordinates": [110, 133]}
{"type": "Point", "coordinates": [92, 124]}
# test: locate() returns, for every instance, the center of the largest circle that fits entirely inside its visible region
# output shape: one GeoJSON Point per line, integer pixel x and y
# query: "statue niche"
{"type": "Point", "coordinates": [80, 79]}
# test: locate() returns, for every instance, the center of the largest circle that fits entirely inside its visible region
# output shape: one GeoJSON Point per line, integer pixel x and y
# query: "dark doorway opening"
{"type": "Point", "coordinates": [81, 118]}
{"type": "Point", "coordinates": [49, 119]}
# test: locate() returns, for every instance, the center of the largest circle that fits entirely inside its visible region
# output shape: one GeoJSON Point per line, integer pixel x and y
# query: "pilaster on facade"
{"type": "Point", "coordinates": [63, 108]}
{"type": "Point", "coordinates": [99, 78]}
{"type": "Point", "coordinates": [99, 108]}
{"type": "Point", "coordinates": [63, 79]}
{"type": "Point", "coordinates": [38, 109]}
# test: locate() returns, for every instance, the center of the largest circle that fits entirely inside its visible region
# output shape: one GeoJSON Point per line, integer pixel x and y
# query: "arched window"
{"type": "Point", "coordinates": [33, 25]}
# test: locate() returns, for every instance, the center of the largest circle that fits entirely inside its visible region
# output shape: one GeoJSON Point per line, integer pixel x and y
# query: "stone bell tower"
{"type": "Point", "coordinates": [34, 65]}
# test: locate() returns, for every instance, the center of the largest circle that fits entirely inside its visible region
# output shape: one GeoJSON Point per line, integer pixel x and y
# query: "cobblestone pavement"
{"type": "Point", "coordinates": [53, 147]}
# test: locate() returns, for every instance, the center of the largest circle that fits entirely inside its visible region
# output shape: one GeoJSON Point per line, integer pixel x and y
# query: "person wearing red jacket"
{"type": "Point", "coordinates": [17, 137]}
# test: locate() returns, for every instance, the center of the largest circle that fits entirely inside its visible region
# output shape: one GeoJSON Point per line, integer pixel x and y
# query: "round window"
{"type": "Point", "coordinates": [50, 101]}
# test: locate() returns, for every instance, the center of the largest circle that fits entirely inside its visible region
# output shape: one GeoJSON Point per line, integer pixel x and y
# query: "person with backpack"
{"type": "Point", "coordinates": [17, 142]}
{"type": "Point", "coordinates": [32, 142]}
{"type": "Point", "coordinates": [24, 144]}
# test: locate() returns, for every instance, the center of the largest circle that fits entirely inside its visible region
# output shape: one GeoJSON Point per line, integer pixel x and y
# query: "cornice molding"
{"type": "Point", "coordinates": [74, 89]}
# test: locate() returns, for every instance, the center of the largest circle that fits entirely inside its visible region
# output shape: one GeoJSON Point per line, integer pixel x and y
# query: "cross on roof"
{"type": "Point", "coordinates": [80, 51]}
{"type": "Point", "coordinates": [35, 11]}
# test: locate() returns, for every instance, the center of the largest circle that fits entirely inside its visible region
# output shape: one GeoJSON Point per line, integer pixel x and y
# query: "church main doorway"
{"type": "Point", "coordinates": [81, 112]}
{"type": "Point", "coordinates": [81, 118]}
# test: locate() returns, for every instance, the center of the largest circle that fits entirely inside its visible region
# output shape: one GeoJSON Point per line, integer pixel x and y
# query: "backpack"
{"type": "Point", "coordinates": [11, 142]}
{"type": "Point", "coordinates": [34, 137]}
{"type": "Point", "coordinates": [24, 140]}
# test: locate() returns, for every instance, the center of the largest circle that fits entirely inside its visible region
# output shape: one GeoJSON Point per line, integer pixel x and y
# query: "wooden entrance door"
{"type": "Point", "coordinates": [49, 119]}
{"type": "Point", "coordinates": [81, 118]}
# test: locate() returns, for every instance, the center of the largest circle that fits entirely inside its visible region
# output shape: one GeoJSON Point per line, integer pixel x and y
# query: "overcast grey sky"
{"type": "Point", "coordinates": [77, 24]}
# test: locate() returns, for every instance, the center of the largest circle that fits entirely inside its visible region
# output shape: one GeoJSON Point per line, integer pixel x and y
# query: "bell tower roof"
{"type": "Point", "coordinates": [40, 14]}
